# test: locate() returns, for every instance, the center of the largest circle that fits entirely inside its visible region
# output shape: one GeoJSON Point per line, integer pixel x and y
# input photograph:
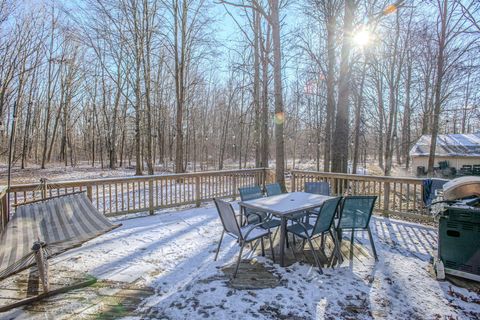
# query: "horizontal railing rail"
{"type": "Point", "coordinates": [122, 195]}
{"type": "Point", "coordinates": [395, 195]}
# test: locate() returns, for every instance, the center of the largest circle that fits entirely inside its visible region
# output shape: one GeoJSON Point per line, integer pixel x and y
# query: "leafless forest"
{"type": "Point", "coordinates": [188, 85]}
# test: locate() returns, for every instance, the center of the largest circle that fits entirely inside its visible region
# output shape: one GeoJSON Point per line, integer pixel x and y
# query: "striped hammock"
{"type": "Point", "coordinates": [60, 223]}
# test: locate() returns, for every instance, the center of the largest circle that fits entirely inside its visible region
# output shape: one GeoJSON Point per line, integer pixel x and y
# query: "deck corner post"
{"type": "Point", "coordinates": [197, 191]}
{"type": "Point", "coordinates": [4, 207]}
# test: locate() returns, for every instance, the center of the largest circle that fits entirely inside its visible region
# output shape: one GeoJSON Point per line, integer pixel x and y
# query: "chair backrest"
{"type": "Point", "coordinates": [250, 193]}
{"type": "Point", "coordinates": [273, 189]}
{"type": "Point", "coordinates": [356, 212]}
{"type": "Point", "coordinates": [320, 187]}
{"type": "Point", "coordinates": [326, 215]}
{"type": "Point", "coordinates": [227, 216]}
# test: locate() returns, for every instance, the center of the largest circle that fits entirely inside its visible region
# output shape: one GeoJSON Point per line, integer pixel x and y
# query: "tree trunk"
{"type": "Point", "coordinates": [277, 79]}
{"type": "Point", "coordinates": [331, 25]}
{"type": "Point", "coordinates": [341, 133]}
{"type": "Point", "coordinates": [438, 84]}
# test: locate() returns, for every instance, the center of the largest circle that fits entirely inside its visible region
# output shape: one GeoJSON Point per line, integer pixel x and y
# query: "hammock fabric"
{"type": "Point", "coordinates": [61, 223]}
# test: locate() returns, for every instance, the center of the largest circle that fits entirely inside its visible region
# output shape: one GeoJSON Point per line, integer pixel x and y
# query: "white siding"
{"type": "Point", "coordinates": [456, 162]}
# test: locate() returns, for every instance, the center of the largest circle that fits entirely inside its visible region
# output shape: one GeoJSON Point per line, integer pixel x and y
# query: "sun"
{"type": "Point", "coordinates": [362, 38]}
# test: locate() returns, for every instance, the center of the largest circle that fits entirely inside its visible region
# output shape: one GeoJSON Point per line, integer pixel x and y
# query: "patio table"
{"type": "Point", "coordinates": [284, 206]}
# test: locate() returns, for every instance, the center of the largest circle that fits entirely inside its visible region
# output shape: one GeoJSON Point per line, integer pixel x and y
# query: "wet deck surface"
{"type": "Point", "coordinates": [101, 300]}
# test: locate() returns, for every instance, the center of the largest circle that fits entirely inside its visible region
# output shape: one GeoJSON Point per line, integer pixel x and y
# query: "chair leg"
{"type": "Point", "coordinates": [218, 248]}
{"type": "Point", "coordinates": [317, 261]}
{"type": "Point", "coordinates": [263, 247]}
{"type": "Point", "coordinates": [275, 234]}
{"type": "Point", "coordinates": [336, 248]}
{"type": "Point", "coordinates": [271, 247]}
{"type": "Point", "coordinates": [239, 259]}
{"type": "Point", "coordinates": [352, 239]}
{"type": "Point", "coordinates": [371, 243]}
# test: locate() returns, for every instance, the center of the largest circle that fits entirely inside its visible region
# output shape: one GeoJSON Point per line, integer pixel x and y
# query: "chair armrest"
{"type": "Point", "coordinates": [255, 213]}
{"type": "Point", "coordinates": [253, 227]}
{"type": "Point", "coordinates": [304, 227]}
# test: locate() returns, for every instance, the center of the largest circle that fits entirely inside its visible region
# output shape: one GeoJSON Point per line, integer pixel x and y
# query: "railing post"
{"type": "Point", "coordinates": [292, 183]}
{"type": "Point", "coordinates": [150, 196]}
{"type": "Point", "coordinates": [197, 191]}
{"type": "Point", "coordinates": [4, 214]}
{"type": "Point", "coordinates": [43, 182]}
{"type": "Point", "coordinates": [386, 197]}
{"type": "Point", "coordinates": [90, 192]}
{"type": "Point", "coordinates": [234, 191]}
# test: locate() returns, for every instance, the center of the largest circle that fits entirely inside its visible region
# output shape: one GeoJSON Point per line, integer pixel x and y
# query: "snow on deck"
{"type": "Point", "coordinates": [171, 254]}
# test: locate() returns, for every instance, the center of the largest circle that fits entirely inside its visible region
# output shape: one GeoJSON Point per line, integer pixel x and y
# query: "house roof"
{"type": "Point", "coordinates": [449, 145]}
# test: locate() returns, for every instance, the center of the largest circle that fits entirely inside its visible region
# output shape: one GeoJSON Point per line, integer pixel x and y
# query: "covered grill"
{"type": "Point", "coordinates": [459, 229]}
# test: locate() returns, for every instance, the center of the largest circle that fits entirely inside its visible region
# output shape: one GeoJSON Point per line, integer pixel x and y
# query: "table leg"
{"type": "Point", "coordinates": [242, 209]}
{"type": "Point", "coordinates": [283, 233]}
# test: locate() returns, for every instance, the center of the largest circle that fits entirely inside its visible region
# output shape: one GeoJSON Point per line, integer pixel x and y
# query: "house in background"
{"type": "Point", "coordinates": [458, 151]}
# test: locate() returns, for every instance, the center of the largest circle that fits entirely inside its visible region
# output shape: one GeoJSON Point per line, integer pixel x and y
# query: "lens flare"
{"type": "Point", "coordinates": [391, 8]}
{"type": "Point", "coordinates": [279, 118]}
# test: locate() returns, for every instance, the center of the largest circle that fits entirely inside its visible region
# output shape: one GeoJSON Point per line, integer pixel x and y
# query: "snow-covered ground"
{"type": "Point", "coordinates": [173, 251]}
{"type": "Point", "coordinates": [84, 171]}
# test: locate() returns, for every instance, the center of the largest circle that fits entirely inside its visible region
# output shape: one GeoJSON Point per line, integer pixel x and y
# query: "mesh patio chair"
{"type": "Point", "coordinates": [252, 216]}
{"type": "Point", "coordinates": [355, 215]}
{"type": "Point", "coordinates": [320, 187]}
{"type": "Point", "coordinates": [243, 235]}
{"type": "Point", "coordinates": [324, 223]}
{"type": "Point", "coordinates": [273, 189]}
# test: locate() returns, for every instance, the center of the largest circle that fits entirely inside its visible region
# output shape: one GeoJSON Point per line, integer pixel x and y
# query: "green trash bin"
{"type": "Point", "coordinates": [459, 241]}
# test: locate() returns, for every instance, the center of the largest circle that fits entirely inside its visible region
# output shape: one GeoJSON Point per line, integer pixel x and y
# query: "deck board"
{"type": "Point", "coordinates": [102, 300]}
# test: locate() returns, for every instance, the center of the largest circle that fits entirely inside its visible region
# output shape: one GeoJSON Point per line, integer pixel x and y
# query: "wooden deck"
{"type": "Point", "coordinates": [101, 300]}
{"type": "Point", "coordinates": [254, 275]}
{"type": "Point", "coordinates": [112, 299]}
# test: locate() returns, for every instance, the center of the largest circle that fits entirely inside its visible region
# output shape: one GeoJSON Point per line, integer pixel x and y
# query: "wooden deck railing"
{"type": "Point", "coordinates": [114, 196]}
{"type": "Point", "coordinates": [395, 195]}
{"type": "Point", "coordinates": [123, 195]}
